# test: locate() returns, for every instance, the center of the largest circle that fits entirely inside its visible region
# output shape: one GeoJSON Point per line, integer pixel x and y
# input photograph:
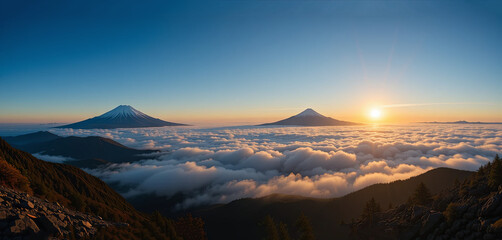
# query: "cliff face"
{"type": "Point", "coordinates": [22, 215]}
{"type": "Point", "coordinates": [471, 210]}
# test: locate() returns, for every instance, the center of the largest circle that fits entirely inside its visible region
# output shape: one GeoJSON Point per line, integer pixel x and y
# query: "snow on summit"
{"type": "Point", "coordinates": [123, 111]}
{"type": "Point", "coordinates": [123, 116]}
{"type": "Point", "coordinates": [309, 112]}
{"type": "Point", "coordinates": [309, 117]}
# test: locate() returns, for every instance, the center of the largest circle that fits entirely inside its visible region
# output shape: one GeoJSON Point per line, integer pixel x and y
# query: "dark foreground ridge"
{"type": "Point", "coordinates": [22, 215]}
{"type": "Point", "coordinates": [470, 210]}
{"type": "Point", "coordinates": [81, 192]}
{"type": "Point", "coordinates": [229, 221]}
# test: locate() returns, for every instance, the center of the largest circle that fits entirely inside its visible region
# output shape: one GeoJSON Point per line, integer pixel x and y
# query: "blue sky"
{"type": "Point", "coordinates": [250, 61]}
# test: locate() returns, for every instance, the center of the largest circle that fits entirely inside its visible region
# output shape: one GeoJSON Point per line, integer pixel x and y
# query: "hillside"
{"type": "Point", "coordinates": [84, 149]}
{"type": "Point", "coordinates": [22, 215]}
{"type": "Point", "coordinates": [229, 221]}
{"type": "Point", "coordinates": [31, 138]}
{"type": "Point", "coordinates": [75, 189]}
{"type": "Point", "coordinates": [468, 210]}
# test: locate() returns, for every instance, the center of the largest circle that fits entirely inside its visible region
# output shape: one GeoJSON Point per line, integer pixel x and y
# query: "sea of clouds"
{"type": "Point", "coordinates": [223, 164]}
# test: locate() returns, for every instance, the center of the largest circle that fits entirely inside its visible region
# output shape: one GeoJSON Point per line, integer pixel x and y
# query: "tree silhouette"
{"type": "Point", "coordinates": [283, 231]}
{"type": "Point", "coordinates": [495, 175]}
{"type": "Point", "coordinates": [304, 228]}
{"type": "Point", "coordinates": [370, 209]}
{"type": "Point", "coordinates": [422, 195]}
{"type": "Point", "coordinates": [271, 232]}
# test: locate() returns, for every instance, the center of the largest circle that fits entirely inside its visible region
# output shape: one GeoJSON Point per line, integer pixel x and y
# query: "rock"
{"type": "Point", "coordinates": [27, 204]}
{"type": "Point", "coordinates": [86, 224]}
{"type": "Point", "coordinates": [491, 205]}
{"type": "Point", "coordinates": [26, 217]}
{"type": "Point", "coordinates": [433, 220]}
{"type": "Point", "coordinates": [23, 225]}
{"type": "Point", "coordinates": [3, 214]}
{"type": "Point", "coordinates": [50, 224]}
{"type": "Point", "coordinates": [61, 216]}
{"type": "Point", "coordinates": [417, 212]}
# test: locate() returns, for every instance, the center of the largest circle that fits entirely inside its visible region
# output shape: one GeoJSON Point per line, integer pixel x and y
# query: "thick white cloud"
{"type": "Point", "coordinates": [220, 165]}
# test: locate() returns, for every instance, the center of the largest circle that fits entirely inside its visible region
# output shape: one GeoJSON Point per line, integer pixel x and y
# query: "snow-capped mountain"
{"type": "Point", "coordinates": [123, 116]}
{"type": "Point", "coordinates": [309, 117]}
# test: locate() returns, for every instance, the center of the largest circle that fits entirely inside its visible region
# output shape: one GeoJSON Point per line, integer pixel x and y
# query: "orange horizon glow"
{"type": "Point", "coordinates": [372, 114]}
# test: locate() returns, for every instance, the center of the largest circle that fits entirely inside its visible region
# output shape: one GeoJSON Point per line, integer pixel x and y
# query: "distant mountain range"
{"type": "Point", "coordinates": [309, 117]}
{"type": "Point", "coordinates": [123, 116]}
{"type": "Point", "coordinates": [463, 122]}
{"type": "Point", "coordinates": [87, 152]}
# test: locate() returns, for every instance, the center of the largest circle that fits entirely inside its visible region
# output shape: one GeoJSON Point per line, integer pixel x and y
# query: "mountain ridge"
{"type": "Point", "coordinates": [83, 149]}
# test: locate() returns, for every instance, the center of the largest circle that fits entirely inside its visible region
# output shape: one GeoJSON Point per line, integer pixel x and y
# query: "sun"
{"type": "Point", "coordinates": [375, 113]}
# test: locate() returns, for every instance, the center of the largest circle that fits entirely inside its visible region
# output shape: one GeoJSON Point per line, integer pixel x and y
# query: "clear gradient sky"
{"type": "Point", "coordinates": [251, 61]}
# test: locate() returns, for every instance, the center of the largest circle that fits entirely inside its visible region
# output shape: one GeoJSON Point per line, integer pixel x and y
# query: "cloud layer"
{"type": "Point", "coordinates": [224, 164]}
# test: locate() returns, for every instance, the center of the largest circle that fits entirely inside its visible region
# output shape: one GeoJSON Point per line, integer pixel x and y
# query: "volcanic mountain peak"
{"type": "Point", "coordinates": [309, 112]}
{"type": "Point", "coordinates": [309, 117]}
{"type": "Point", "coordinates": [123, 116]}
{"type": "Point", "coordinates": [123, 111]}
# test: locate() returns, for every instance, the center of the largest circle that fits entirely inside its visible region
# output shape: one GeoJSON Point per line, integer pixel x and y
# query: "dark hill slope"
{"type": "Point", "coordinates": [31, 138]}
{"type": "Point", "coordinates": [80, 191]}
{"type": "Point", "coordinates": [468, 210]}
{"type": "Point", "coordinates": [89, 151]}
{"type": "Point", "coordinates": [67, 185]}
{"type": "Point", "coordinates": [231, 220]}
{"type": "Point", "coordinates": [88, 148]}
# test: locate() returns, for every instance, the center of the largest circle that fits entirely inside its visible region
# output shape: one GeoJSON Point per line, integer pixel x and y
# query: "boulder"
{"type": "Point", "coordinates": [417, 212]}
{"type": "Point", "coordinates": [50, 225]}
{"type": "Point", "coordinates": [432, 221]}
{"type": "Point", "coordinates": [23, 225]}
{"type": "Point", "coordinates": [86, 224]}
{"type": "Point", "coordinates": [26, 204]}
{"type": "Point", "coordinates": [491, 205]}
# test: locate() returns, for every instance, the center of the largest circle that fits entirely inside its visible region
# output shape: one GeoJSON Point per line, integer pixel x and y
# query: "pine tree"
{"type": "Point", "coordinates": [370, 209]}
{"type": "Point", "coordinates": [495, 175]}
{"type": "Point", "coordinates": [271, 232]}
{"type": "Point", "coordinates": [304, 228]}
{"type": "Point", "coordinates": [283, 231]}
{"type": "Point", "coordinates": [422, 195]}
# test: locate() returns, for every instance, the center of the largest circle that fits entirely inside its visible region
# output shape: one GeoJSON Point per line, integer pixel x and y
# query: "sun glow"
{"type": "Point", "coordinates": [375, 114]}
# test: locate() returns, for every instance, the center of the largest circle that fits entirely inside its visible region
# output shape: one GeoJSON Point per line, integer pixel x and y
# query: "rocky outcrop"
{"type": "Point", "coordinates": [26, 217]}
{"type": "Point", "coordinates": [466, 217]}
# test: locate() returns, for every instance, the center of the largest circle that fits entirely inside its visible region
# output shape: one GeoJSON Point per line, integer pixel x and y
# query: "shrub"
{"type": "Point", "coordinates": [422, 195]}
{"type": "Point", "coordinates": [11, 177]}
{"type": "Point", "coordinates": [452, 212]}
